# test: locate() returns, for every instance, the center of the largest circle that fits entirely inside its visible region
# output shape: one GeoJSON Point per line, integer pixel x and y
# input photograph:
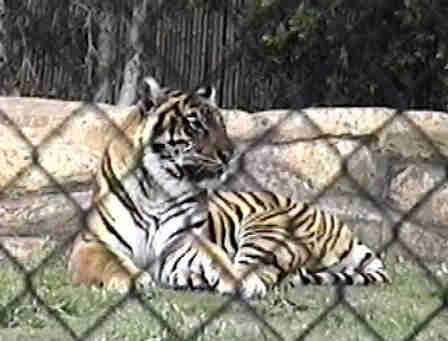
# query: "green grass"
{"type": "Point", "coordinates": [28, 309]}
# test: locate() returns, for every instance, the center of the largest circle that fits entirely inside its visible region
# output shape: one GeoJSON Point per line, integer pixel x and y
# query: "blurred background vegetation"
{"type": "Point", "coordinates": [261, 54]}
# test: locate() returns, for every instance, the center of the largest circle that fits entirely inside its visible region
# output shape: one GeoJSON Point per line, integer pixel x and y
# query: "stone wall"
{"type": "Point", "coordinates": [382, 171]}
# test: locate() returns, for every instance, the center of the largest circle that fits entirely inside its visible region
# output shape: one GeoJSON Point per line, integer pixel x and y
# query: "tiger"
{"type": "Point", "coordinates": [161, 218]}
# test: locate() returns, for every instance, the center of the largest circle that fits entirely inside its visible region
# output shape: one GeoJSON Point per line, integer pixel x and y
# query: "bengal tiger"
{"type": "Point", "coordinates": [159, 216]}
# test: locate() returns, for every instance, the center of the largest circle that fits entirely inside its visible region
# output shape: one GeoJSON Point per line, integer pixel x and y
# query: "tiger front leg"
{"type": "Point", "coordinates": [233, 277]}
{"type": "Point", "coordinates": [117, 277]}
{"type": "Point", "coordinates": [184, 266]}
{"type": "Point", "coordinates": [91, 263]}
{"type": "Point", "coordinates": [241, 280]}
{"type": "Point", "coordinates": [140, 279]}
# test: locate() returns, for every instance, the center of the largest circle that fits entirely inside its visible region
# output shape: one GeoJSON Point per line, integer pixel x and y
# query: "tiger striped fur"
{"type": "Point", "coordinates": [158, 216]}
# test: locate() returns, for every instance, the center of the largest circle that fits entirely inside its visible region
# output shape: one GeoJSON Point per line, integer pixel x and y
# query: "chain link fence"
{"type": "Point", "coordinates": [255, 58]}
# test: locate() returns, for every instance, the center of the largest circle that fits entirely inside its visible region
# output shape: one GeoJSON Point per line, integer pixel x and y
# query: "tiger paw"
{"type": "Point", "coordinates": [227, 287]}
{"type": "Point", "coordinates": [253, 287]}
{"type": "Point", "coordinates": [182, 279]}
{"type": "Point", "coordinates": [143, 281]}
{"type": "Point", "coordinates": [119, 283]}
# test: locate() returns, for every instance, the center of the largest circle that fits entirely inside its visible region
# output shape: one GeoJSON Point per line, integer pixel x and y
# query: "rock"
{"type": "Point", "coordinates": [50, 145]}
{"type": "Point", "coordinates": [24, 249]}
{"type": "Point", "coordinates": [381, 170]}
{"type": "Point", "coordinates": [38, 215]}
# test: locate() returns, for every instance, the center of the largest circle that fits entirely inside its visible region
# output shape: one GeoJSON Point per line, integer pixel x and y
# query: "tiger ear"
{"type": "Point", "coordinates": [208, 93]}
{"type": "Point", "coordinates": [149, 92]}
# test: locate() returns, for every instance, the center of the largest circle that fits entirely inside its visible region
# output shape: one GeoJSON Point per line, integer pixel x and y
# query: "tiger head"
{"type": "Point", "coordinates": [189, 135]}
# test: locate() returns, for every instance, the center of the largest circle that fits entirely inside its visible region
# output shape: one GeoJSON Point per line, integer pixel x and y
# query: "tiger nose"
{"type": "Point", "coordinates": [225, 155]}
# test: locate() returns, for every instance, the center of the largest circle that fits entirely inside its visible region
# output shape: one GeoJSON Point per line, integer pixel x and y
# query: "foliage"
{"type": "Point", "coordinates": [384, 52]}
